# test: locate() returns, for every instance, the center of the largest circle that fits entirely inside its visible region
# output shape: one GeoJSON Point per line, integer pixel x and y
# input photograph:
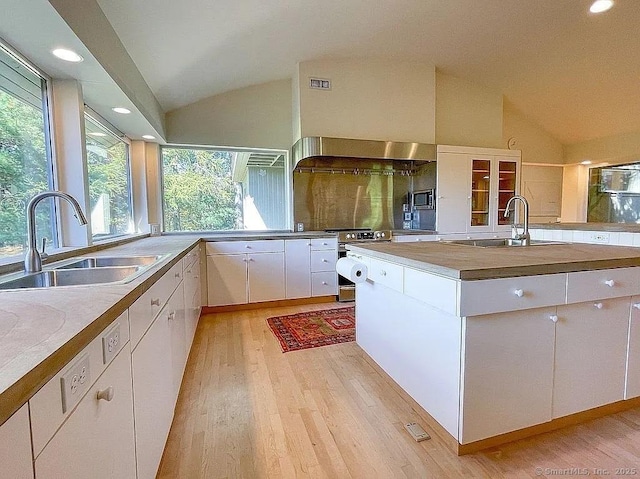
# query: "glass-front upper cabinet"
{"type": "Point", "coordinates": [507, 187]}
{"type": "Point", "coordinates": [480, 189]}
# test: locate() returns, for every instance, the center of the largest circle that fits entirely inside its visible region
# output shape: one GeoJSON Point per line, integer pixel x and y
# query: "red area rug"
{"type": "Point", "coordinates": [314, 328]}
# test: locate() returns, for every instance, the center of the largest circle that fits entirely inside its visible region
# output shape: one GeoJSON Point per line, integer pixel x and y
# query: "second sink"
{"type": "Point", "coordinates": [110, 261]}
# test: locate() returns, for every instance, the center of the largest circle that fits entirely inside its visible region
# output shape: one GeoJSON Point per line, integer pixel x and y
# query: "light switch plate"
{"type": "Point", "coordinates": [75, 382]}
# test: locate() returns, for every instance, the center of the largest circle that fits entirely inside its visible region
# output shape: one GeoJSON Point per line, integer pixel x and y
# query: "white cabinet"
{"type": "Point", "coordinates": [508, 372]}
{"type": "Point", "coordinates": [474, 185]}
{"type": "Point", "coordinates": [324, 256]}
{"type": "Point", "coordinates": [15, 446]}
{"type": "Point", "coordinates": [590, 356]}
{"type": "Point", "coordinates": [192, 294]}
{"type": "Point", "coordinates": [297, 258]}
{"type": "Point", "coordinates": [632, 385]}
{"type": "Point", "coordinates": [240, 272]}
{"type": "Point", "coordinates": [227, 279]}
{"type": "Point", "coordinates": [157, 364]}
{"type": "Point", "coordinates": [97, 440]}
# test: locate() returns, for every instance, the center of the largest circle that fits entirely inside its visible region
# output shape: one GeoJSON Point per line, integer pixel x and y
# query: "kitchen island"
{"type": "Point", "coordinates": [500, 343]}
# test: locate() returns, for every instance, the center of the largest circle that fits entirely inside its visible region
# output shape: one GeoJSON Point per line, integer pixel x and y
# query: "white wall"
{"type": "Point", "coordinates": [258, 116]}
{"type": "Point", "coordinates": [467, 114]}
{"type": "Point", "coordinates": [622, 148]}
{"type": "Point", "coordinates": [369, 99]}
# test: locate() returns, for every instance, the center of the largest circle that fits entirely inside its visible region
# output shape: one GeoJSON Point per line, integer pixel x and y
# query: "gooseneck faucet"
{"type": "Point", "coordinates": [32, 259]}
{"type": "Point", "coordinates": [524, 236]}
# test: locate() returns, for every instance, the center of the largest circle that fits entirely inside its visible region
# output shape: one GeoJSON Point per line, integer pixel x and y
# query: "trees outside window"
{"type": "Point", "coordinates": [217, 189]}
{"type": "Point", "coordinates": [109, 181]}
{"type": "Point", "coordinates": [25, 166]}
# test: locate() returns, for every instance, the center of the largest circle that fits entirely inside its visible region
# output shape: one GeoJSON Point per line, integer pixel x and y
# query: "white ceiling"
{"type": "Point", "coordinates": [573, 73]}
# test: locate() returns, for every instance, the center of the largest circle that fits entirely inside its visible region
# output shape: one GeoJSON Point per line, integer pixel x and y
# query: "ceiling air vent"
{"type": "Point", "coordinates": [320, 83]}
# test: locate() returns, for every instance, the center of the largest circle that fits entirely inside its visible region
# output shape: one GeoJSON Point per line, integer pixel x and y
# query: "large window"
{"type": "Point", "coordinates": [219, 189]}
{"type": "Point", "coordinates": [109, 181]}
{"type": "Point", "coordinates": [25, 160]}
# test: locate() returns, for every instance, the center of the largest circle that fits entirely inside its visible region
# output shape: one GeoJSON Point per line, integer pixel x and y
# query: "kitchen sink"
{"type": "Point", "coordinates": [109, 261]}
{"type": "Point", "coordinates": [501, 242]}
{"type": "Point", "coordinates": [72, 277]}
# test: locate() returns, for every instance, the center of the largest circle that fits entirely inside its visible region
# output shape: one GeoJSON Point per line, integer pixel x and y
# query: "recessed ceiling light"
{"type": "Point", "coordinates": [119, 109]}
{"type": "Point", "coordinates": [600, 6]}
{"type": "Point", "coordinates": [97, 133]}
{"type": "Point", "coordinates": [585, 162]}
{"type": "Point", "coordinates": [148, 137]}
{"type": "Point", "coordinates": [67, 55]}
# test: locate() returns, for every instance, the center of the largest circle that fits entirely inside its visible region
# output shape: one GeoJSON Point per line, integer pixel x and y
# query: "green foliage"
{"type": "Point", "coordinates": [108, 172]}
{"type": "Point", "coordinates": [199, 193]}
{"type": "Point", "coordinates": [24, 172]}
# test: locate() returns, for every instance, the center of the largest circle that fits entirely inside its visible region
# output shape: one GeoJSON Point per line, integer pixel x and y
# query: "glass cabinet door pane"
{"type": "Point", "coordinates": [506, 188]}
{"type": "Point", "coordinates": [480, 181]}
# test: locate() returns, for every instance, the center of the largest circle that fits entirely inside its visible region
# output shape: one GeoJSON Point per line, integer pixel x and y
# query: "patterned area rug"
{"type": "Point", "coordinates": [314, 328]}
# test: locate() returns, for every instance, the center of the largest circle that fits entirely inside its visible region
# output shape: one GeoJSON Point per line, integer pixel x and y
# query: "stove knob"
{"type": "Point", "coordinates": [383, 235]}
{"type": "Point", "coordinates": [348, 235]}
{"type": "Point", "coordinates": [377, 235]}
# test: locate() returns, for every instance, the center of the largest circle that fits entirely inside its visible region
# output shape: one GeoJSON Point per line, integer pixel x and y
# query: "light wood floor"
{"type": "Point", "coordinates": [246, 410]}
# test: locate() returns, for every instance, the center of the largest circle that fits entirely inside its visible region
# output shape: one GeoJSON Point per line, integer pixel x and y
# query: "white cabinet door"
{"type": "Point", "coordinates": [590, 357]}
{"type": "Point", "coordinates": [297, 268]}
{"type": "Point", "coordinates": [632, 387]}
{"type": "Point", "coordinates": [227, 279]}
{"type": "Point", "coordinates": [452, 193]}
{"type": "Point", "coordinates": [97, 440]}
{"type": "Point", "coordinates": [191, 301]}
{"type": "Point", "coordinates": [15, 446]}
{"type": "Point", "coordinates": [508, 372]}
{"type": "Point", "coordinates": [266, 277]}
{"type": "Point", "coordinates": [175, 314]}
{"type": "Point", "coordinates": [153, 395]}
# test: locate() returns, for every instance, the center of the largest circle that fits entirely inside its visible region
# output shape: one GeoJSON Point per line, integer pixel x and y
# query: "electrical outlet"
{"type": "Point", "coordinates": [110, 343]}
{"type": "Point", "coordinates": [599, 237]}
{"type": "Point", "coordinates": [155, 229]}
{"type": "Point", "coordinates": [75, 382]}
{"type": "Point", "coordinates": [300, 226]}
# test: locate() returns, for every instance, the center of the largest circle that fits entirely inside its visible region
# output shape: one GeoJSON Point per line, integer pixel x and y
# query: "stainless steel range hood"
{"type": "Point", "coordinates": [322, 146]}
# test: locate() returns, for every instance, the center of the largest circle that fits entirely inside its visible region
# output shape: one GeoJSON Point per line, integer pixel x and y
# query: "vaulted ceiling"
{"type": "Point", "coordinates": [574, 73]}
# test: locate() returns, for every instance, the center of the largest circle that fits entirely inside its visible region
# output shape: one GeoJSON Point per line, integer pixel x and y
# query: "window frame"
{"type": "Point", "coordinates": [288, 178]}
{"type": "Point", "coordinates": [46, 92]}
{"type": "Point", "coordinates": [94, 117]}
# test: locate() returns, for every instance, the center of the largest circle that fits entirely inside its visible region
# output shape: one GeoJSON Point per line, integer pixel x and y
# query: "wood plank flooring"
{"type": "Point", "coordinates": [246, 410]}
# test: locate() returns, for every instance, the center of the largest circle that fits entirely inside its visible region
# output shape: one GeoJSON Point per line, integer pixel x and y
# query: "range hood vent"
{"type": "Point", "coordinates": [322, 146]}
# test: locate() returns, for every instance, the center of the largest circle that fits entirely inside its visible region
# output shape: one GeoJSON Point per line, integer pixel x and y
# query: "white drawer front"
{"type": "Point", "coordinates": [324, 284]}
{"type": "Point", "coordinates": [191, 258]}
{"type": "Point", "coordinates": [46, 405]}
{"type": "Point", "coordinates": [601, 284]}
{"type": "Point", "coordinates": [511, 294]}
{"type": "Point", "coordinates": [323, 260]}
{"type": "Point", "coordinates": [385, 273]}
{"type": "Point", "coordinates": [433, 290]}
{"type": "Point", "coordinates": [237, 247]}
{"type": "Point", "coordinates": [324, 243]}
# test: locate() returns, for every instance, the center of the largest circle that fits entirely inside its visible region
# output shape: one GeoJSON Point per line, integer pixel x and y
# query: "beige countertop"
{"type": "Point", "coordinates": [42, 329]}
{"type": "Point", "coordinates": [618, 227]}
{"type": "Point", "coordinates": [471, 262]}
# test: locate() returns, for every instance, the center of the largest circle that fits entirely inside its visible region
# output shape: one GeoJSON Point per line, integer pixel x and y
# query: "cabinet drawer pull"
{"type": "Point", "coordinates": [636, 305]}
{"type": "Point", "coordinates": [598, 305]}
{"type": "Point", "coordinates": [248, 246]}
{"type": "Point", "coordinates": [383, 272]}
{"type": "Point", "coordinates": [106, 394]}
{"type": "Point", "coordinates": [554, 318]}
{"type": "Point", "coordinates": [324, 260]}
{"type": "Point", "coordinates": [155, 302]}
{"type": "Point", "coordinates": [519, 293]}
{"type": "Point", "coordinates": [176, 275]}
{"type": "Point", "coordinates": [324, 283]}
{"type": "Point", "coordinates": [610, 283]}
{"type": "Point", "coordinates": [171, 316]}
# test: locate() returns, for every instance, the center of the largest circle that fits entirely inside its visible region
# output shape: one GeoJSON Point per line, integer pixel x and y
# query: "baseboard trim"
{"type": "Point", "coordinates": [554, 424]}
{"type": "Point", "coordinates": [268, 304]}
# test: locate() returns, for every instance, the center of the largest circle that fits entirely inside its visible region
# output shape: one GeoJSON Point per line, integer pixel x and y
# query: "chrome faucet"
{"type": "Point", "coordinates": [32, 259]}
{"type": "Point", "coordinates": [524, 236]}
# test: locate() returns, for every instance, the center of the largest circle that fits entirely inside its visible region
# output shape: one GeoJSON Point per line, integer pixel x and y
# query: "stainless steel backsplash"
{"type": "Point", "coordinates": [352, 192]}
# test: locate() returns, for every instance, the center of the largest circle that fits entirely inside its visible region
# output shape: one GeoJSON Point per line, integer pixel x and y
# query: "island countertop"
{"type": "Point", "coordinates": [467, 262]}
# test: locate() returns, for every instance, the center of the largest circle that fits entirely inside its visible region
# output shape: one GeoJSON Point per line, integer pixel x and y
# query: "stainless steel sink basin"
{"type": "Point", "coordinates": [501, 242]}
{"type": "Point", "coordinates": [72, 277]}
{"type": "Point", "coordinates": [109, 261]}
